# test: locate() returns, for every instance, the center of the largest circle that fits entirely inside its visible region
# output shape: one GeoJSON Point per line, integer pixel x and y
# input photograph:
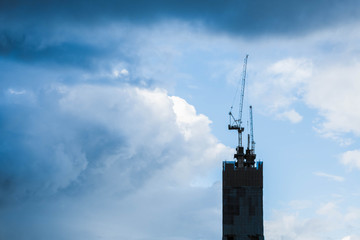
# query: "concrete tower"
{"type": "Point", "coordinates": [243, 185]}
{"type": "Point", "coordinates": [242, 199]}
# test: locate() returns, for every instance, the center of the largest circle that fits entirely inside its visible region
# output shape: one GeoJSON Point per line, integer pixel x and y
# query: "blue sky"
{"type": "Point", "coordinates": [114, 116]}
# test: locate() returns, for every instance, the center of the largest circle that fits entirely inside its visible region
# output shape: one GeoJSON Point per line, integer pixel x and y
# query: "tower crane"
{"type": "Point", "coordinates": [235, 124]}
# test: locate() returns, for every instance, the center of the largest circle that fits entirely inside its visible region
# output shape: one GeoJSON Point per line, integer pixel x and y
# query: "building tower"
{"type": "Point", "coordinates": [243, 184]}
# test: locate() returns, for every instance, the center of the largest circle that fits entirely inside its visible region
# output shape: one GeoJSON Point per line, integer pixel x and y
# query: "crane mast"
{"type": "Point", "coordinates": [252, 132]}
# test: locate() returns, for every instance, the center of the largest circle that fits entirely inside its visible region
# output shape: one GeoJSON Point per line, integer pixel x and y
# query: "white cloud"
{"type": "Point", "coordinates": [187, 119]}
{"type": "Point", "coordinates": [323, 73]}
{"type": "Point", "coordinates": [288, 73]}
{"type": "Point", "coordinates": [282, 84]}
{"type": "Point", "coordinates": [351, 237]}
{"type": "Point", "coordinates": [124, 72]}
{"type": "Point", "coordinates": [329, 176]}
{"type": "Point", "coordinates": [334, 91]}
{"type": "Point", "coordinates": [16, 92]}
{"type": "Point", "coordinates": [291, 115]}
{"type": "Point", "coordinates": [327, 208]}
{"type": "Point", "coordinates": [286, 80]}
{"type": "Point", "coordinates": [335, 136]}
{"type": "Point", "coordinates": [353, 215]}
{"type": "Point", "coordinates": [291, 226]}
{"type": "Point", "coordinates": [351, 159]}
{"type": "Point", "coordinates": [330, 222]}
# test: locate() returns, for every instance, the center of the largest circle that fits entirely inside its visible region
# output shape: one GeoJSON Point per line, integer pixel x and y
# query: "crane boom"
{"type": "Point", "coordinates": [242, 89]}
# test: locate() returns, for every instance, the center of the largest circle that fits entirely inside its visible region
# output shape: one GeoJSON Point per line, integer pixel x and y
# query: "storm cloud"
{"type": "Point", "coordinates": [61, 33]}
{"type": "Point", "coordinates": [244, 17]}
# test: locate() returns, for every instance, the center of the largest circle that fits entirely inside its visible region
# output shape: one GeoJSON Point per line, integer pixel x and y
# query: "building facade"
{"type": "Point", "coordinates": [243, 197]}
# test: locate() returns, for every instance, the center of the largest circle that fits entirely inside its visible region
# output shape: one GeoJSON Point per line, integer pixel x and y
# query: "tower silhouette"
{"type": "Point", "coordinates": [243, 184]}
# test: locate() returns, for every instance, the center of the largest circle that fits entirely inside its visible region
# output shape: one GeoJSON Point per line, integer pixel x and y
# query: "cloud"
{"type": "Point", "coordinates": [329, 219]}
{"type": "Point", "coordinates": [328, 208]}
{"type": "Point", "coordinates": [234, 17]}
{"type": "Point", "coordinates": [99, 161]}
{"type": "Point", "coordinates": [333, 92]}
{"type": "Point", "coordinates": [124, 72]}
{"type": "Point", "coordinates": [291, 226]}
{"type": "Point", "coordinates": [91, 160]}
{"type": "Point", "coordinates": [329, 176]}
{"type": "Point", "coordinates": [187, 119]}
{"type": "Point", "coordinates": [25, 47]}
{"type": "Point", "coordinates": [283, 84]}
{"type": "Point", "coordinates": [16, 92]}
{"type": "Point", "coordinates": [288, 73]}
{"type": "Point", "coordinates": [287, 78]}
{"type": "Point", "coordinates": [300, 204]}
{"type": "Point", "coordinates": [323, 77]}
{"type": "Point", "coordinates": [351, 237]}
{"type": "Point", "coordinates": [291, 115]}
{"type": "Point", "coordinates": [351, 159]}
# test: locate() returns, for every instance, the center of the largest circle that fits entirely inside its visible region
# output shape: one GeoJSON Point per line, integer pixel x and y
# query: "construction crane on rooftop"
{"type": "Point", "coordinates": [242, 180]}
{"type": "Point", "coordinates": [235, 124]}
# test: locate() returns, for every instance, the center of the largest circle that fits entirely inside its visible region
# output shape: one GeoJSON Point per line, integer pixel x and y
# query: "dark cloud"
{"type": "Point", "coordinates": [78, 34]}
{"type": "Point", "coordinates": [64, 53]}
{"type": "Point", "coordinates": [69, 33]}
{"type": "Point", "coordinates": [27, 47]}
{"type": "Point", "coordinates": [246, 17]}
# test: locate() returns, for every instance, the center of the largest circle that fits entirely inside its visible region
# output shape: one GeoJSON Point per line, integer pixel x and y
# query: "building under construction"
{"type": "Point", "coordinates": [243, 183]}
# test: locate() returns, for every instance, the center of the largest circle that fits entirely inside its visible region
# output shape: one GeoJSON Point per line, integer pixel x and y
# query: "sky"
{"type": "Point", "coordinates": [113, 116]}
